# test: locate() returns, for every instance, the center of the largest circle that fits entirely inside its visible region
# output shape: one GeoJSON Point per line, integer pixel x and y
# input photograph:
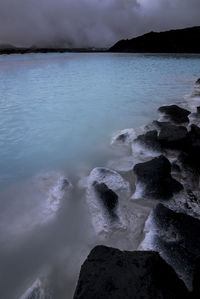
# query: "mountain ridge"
{"type": "Point", "coordinates": [172, 41]}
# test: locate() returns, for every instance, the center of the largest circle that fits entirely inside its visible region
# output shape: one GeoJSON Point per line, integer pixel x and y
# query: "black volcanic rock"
{"type": "Point", "coordinates": [173, 41]}
{"type": "Point", "coordinates": [178, 238]}
{"type": "Point", "coordinates": [190, 158]}
{"type": "Point", "coordinates": [178, 227]}
{"type": "Point", "coordinates": [149, 140]}
{"type": "Point", "coordinates": [160, 124]}
{"type": "Point", "coordinates": [109, 273]}
{"type": "Point", "coordinates": [108, 197]}
{"type": "Point", "coordinates": [198, 81]}
{"type": "Point", "coordinates": [156, 177]}
{"type": "Point", "coordinates": [173, 137]}
{"type": "Point", "coordinates": [196, 280]}
{"type": "Point", "coordinates": [175, 114]}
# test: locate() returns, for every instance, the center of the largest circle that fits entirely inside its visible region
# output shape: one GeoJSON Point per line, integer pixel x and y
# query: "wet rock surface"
{"type": "Point", "coordinates": [108, 198]}
{"type": "Point", "coordinates": [111, 273]}
{"type": "Point", "coordinates": [190, 157]}
{"type": "Point", "coordinates": [156, 177]}
{"type": "Point", "coordinates": [172, 229]}
{"type": "Point", "coordinates": [198, 81]}
{"type": "Point", "coordinates": [178, 238]}
{"type": "Point", "coordinates": [173, 137]}
{"type": "Point", "coordinates": [149, 140]}
{"type": "Point", "coordinates": [183, 228]}
{"type": "Point", "coordinates": [175, 114]}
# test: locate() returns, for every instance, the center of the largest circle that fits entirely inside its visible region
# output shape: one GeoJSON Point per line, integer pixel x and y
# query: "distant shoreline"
{"type": "Point", "coordinates": [14, 50]}
{"type": "Point", "coordinates": [179, 41]}
{"type": "Point", "coordinates": [61, 51]}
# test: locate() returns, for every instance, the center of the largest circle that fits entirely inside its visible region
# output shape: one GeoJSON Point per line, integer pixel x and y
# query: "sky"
{"type": "Point", "coordinates": [90, 23]}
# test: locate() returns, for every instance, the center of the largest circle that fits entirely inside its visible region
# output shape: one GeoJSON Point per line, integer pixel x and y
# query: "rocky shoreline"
{"type": "Point", "coordinates": [148, 202]}
{"type": "Point", "coordinates": [167, 263]}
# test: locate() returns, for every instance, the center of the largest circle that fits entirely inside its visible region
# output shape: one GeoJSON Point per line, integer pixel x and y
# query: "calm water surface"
{"type": "Point", "coordinates": [57, 114]}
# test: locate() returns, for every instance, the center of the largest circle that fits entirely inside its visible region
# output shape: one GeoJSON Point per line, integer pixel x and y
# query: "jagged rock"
{"type": "Point", "coordinates": [198, 110]}
{"type": "Point", "coordinates": [108, 197]}
{"type": "Point", "coordinates": [175, 114]}
{"type": "Point", "coordinates": [114, 274]}
{"type": "Point", "coordinates": [178, 238]}
{"type": "Point", "coordinates": [156, 177]}
{"type": "Point", "coordinates": [149, 140]}
{"type": "Point", "coordinates": [173, 137]}
{"type": "Point", "coordinates": [190, 158]}
{"type": "Point", "coordinates": [173, 41]}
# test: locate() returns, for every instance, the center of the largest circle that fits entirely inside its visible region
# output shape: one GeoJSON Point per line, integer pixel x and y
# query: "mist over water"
{"type": "Point", "coordinates": [57, 115]}
{"type": "Point", "coordinates": [90, 23]}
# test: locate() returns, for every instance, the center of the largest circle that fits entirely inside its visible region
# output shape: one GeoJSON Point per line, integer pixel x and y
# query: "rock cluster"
{"type": "Point", "coordinates": [172, 179]}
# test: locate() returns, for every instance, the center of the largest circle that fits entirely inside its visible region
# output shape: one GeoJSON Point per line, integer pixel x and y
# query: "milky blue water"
{"type": "Point", "coordinates": [58, 112]}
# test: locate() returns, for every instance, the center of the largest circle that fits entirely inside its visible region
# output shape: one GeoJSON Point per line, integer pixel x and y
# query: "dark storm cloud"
{"type": "Point", "coordinates": [80, 23]}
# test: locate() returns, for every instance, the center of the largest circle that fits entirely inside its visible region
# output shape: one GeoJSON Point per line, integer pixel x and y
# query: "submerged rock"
{"type": "Point", "coordinates": [175, 114]}
{"type": "Point", "coordinates": [114, 274]}
{"type": "Point", "coordinates": [156, 177]}
{"type": "Point", "coordinates": [105, 188]}
{"type": "Point", "coordinates": [108, 198]}
{"type": "Point", "coordinates": [123, 137]}
{"type": "Point", "coordinates": [111, 178]}
{"type": "Point", "coordinates": [37, 291]}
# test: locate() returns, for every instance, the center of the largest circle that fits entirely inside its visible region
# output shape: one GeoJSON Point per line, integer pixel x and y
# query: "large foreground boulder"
{"type": "Point", "coordinates": [175, 114]}
{"type": "Point", "coordinates": [196, 280]}
{"type": "Point", "coordinates": [113, 274]}
{"type": "Point", "coordinates": [156, 180]}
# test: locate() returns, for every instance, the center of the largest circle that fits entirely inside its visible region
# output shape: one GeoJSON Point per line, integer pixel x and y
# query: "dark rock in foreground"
{"type": "Point", "coordinates": [196, 280]}
{"type": "Point", "coordinates": [108, 198]}
{"type": "Point", "coordinates": [175, 114]}
{"type": "Point", "coordinates": [178, 238]}
{"type": "Point", "coordinates": [156, 177]}
{"type": "Point", "coordinates": [173, 41]}
{"type": "Point", "coordinates": [113, 274]}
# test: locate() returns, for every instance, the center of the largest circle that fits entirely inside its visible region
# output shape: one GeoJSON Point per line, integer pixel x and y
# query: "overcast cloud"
{"type": "Point", "coordinates": [83, 23]}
